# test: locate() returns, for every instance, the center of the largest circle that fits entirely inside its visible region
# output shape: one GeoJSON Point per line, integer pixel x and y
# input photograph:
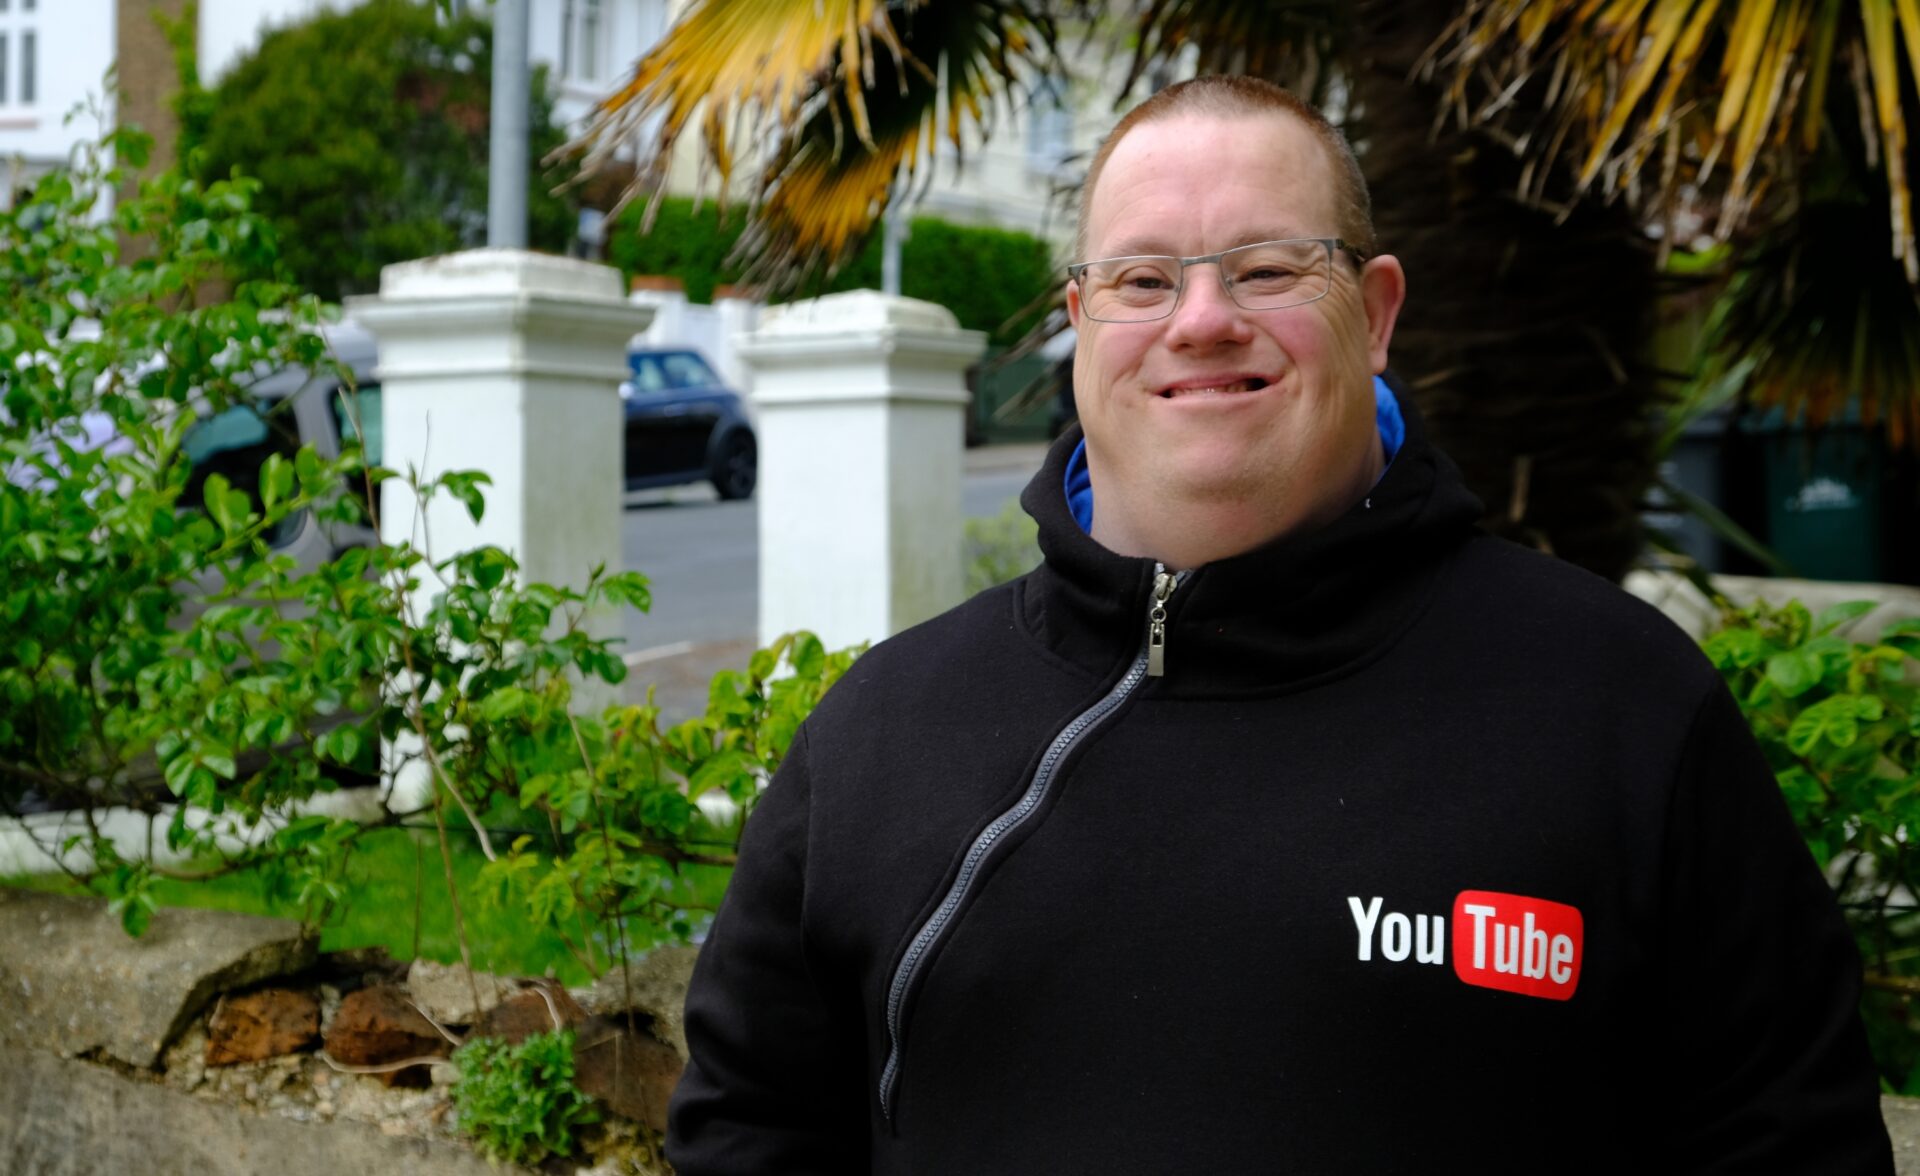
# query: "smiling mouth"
{"type": "Point", "coordinates": [1250, 384]}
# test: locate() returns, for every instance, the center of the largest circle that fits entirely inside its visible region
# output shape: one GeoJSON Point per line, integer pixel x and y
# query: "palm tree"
{"type": "Point", "coordinates": [1481, 124]}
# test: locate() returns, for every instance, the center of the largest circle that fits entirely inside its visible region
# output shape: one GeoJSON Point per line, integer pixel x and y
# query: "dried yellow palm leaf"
{"type": "Point", "coordinates": [1769, 85]}
{"type": "Point", "coordinates": [1736, 78]}
{"type": "Point", "coordinates": [1909, 14]}
{"type": "Point", "coordinates": [742, 61]}
{"type": "Point", "coordinates": [838, 102]}
{"type": "Point", "coordinates": [1878, 34]}
{"type": "Point", "coordinates": [1620, 16]}
{"type": "Point", "coordinates": [1534, 23]}
{"type": "Point", "coordinates": [1686, 51]}
{"type": "Point", "coordinates": [1814, 107]}
{"type": "Point", "coordinates": [1745, 44]}
{"type": "Point", "coordinates": [1665, 29]}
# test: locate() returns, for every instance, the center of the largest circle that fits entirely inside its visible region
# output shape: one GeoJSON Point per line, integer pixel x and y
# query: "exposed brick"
{"type": "Point", "coordinates": [260, 1025]}
{"type": "Point", "coordinates": [378, 1025]}
{"type": "Point", "coordinates": [632, 1073]}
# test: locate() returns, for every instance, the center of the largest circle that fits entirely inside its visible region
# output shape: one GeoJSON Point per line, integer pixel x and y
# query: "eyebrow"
{"type": "Point", "coordinates": [1155, 247]}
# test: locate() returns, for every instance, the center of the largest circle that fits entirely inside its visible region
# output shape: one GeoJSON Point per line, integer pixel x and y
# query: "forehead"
{"type": "Point", "coordinates": [1195, 183]}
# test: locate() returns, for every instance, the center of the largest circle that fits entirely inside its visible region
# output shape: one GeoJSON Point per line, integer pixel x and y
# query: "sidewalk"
{"type": "Point", "coordinates": [993, 459]}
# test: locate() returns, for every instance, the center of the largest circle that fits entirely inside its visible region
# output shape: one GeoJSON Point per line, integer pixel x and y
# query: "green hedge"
{"type": "Point", "coordinates": [986, 276]}
{"type": "Point", "coordinates": [368, 130]}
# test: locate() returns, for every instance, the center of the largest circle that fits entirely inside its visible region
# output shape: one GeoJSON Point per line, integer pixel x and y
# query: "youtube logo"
{"type": "Point", "coordinates": [1509, 942]}
{"type": "Point", "coordinates": [1516, 944]}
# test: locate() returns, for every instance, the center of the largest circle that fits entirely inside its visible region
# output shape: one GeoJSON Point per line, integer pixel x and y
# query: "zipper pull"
{"type": "Point", "coordinates": [1164, 582]}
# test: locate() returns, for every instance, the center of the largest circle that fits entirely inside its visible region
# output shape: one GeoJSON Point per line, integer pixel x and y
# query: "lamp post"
{"type": "Point", "coordinates": [507, 144]}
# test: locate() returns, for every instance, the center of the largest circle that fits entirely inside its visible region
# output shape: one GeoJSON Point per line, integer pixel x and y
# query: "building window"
{"type": "Point", "coordinates": [27, 39]}
{"type": "Point", "coordinates": [1049, 126]}
{"type": "Point", "coordinates": [4, 48]}
{"type": "Point", "coordinates": [580, 50]}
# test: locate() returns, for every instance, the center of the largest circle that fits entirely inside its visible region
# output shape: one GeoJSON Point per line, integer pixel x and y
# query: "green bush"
{"type": "Point", "coordinates": [518, 1102]}
{"type": "Point", "coordinates": [223, 721]}
{"type": "Point", "coordinates": [368, 130]}
{"type": "Point", "coordinates": [686, 243]}
{"type": "Point", "coordinates": [986, 276]}
{"type": "Point", "coordinates": [1001, 548]}
{"type": "Point", "coordinates": [1839, 722]}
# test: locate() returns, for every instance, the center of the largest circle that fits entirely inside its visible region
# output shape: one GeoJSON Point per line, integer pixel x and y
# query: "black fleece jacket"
{"type": "Point", "coordinates": [1426, 854]}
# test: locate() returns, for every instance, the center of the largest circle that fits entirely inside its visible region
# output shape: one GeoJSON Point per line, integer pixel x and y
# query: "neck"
{"type": "Point", "coordinates": [1185, 533]}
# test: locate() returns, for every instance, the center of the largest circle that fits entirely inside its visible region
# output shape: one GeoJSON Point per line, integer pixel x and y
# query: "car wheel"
{"type": "Point", "coordinates": [737, 467]}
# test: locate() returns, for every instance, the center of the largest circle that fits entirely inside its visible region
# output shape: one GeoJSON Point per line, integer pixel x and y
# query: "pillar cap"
{"type": "Point", "coordinates": [855, 310]}
{"type": "Point", "coordinates": [498, 272]}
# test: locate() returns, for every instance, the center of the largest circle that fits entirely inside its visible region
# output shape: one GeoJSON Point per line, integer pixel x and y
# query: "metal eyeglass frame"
{"type": "Point", "coordinates": [1078, 269]}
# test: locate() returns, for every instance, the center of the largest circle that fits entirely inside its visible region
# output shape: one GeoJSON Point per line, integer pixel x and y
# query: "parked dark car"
{"type": "Point", "coordinates": [684, 425]}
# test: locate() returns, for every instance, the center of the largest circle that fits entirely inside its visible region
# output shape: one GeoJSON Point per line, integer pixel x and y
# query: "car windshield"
{"type": "Point", "coordinates": [235, 444]}
{"type": "Point", "coordinates": [667, 371]}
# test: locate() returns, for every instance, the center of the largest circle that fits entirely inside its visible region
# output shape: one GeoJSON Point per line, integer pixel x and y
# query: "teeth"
{"type": "Point", "coordinates": [1248, 385]}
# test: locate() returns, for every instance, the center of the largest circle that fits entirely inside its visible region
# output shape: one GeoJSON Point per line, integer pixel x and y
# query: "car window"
{"type": "Point", "coordinates": [363, 407]}
{"type": "Point", "coordinates": [235, 444]}
{"type": "Point", "coordinates": [647, 376]}
{"type": "Point", "coordinates": [684, 369]}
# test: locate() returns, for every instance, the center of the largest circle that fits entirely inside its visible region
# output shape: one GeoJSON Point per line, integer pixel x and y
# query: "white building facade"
{"type": "Point", "coordinates": [55, 56]}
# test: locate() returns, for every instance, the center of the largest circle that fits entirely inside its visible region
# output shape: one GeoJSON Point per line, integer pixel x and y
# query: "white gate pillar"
{"type": "Point", "coordinates": [861, 407]}
{"type": "Point", "coordinates": [509, 362]}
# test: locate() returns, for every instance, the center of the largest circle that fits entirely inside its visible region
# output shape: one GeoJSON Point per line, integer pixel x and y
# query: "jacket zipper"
{"type": "Point", "coordinates": [1164, 582]}
{"type": "Point", "coordinates": [1149, 662]}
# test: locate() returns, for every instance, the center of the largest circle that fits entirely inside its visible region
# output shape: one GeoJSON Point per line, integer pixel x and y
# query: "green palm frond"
{"type": "Point", "coordinates": [1292, 42]}
{"type": "Point", "coordinates": [852, 94]}
{"type": "Point", "coordinates": [1669, 100]}
{"type": "Point", "coordinates": [1817, 318]}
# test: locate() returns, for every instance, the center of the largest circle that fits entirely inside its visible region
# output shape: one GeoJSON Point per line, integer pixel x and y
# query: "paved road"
{"type": "Point", "coordinates": [702, 556]}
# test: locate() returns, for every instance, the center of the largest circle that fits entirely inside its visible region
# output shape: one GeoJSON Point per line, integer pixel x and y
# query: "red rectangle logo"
{"type": "Point", "coordinates": [1517, 944]}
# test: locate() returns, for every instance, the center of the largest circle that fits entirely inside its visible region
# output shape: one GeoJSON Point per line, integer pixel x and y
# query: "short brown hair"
{"type": "Point", "coordinates": [1232, 95]}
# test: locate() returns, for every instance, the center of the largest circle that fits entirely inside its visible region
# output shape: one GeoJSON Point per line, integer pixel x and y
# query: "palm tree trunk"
{"type": "Point", "coordinates": [1522, 338]}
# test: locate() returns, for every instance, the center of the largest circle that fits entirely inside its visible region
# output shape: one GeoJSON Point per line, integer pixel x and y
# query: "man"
{"type": "Point", "coordinates": [1278, 822]}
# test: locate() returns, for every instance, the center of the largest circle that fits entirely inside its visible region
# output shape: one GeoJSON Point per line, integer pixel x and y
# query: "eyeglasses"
{"type": "Point", "coordinates": [1269, 275]}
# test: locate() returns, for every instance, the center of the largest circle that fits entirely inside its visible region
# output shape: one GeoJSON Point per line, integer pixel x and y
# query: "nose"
{"type": "Point", "coordinates": [1206, 315]}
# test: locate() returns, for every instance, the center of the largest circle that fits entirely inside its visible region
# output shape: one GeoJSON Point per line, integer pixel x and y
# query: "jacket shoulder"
{"type": "Point", "coordinates": [930, 663]}
{"type": "Point", "coordinates": [1559, 610]}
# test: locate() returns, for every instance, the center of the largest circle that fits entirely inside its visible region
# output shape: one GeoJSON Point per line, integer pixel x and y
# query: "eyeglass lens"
{"type": "Point", "coordinates": [1266, 276]}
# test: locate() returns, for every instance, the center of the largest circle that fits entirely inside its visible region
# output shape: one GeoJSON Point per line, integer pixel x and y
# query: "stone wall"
{"type": "Point", "coordinates": [112, 1050]}
{"type": "Point", "coordinates": [220, 1043]}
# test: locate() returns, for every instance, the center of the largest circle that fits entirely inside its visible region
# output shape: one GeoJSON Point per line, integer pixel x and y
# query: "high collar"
{"type": "Point", "coordinates": [1306, 606]}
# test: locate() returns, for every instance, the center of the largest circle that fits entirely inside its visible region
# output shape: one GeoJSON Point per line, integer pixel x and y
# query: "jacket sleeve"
{"type": "Point", "coordinates": [1758, 1035]}
{"type": "Point", "coordinates": [776, 1079]}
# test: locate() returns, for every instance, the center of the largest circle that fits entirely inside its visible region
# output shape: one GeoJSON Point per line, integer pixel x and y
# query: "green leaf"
{"type": "Point", "coordinates": [1832, 720]}
{"type": "Point", "coordinates": [505, 703]}
{"type": "Point", "coordinates": [136, 915]}
{"type": "Point", "coordinates": [214, 493]}
{"type": "Point", "coordinates": [1793, 672]}
{"type": "Point", "coordinates": [276, 480]}
{"type": "Point", "coordinates": [808, 655]}
{"type": "Point", "coordinates": [346, 745]}
{"type": "Point", "coordinates": [1834, 616]}
{"type": "Point", "coordinates": [178, 772]}
{"type": "Point", "coordinates": [1735, 648]}
{"type": "Point", "coordinates": [307, 467]}
{"type": "Point", "coordinates": [728, 771]}
{"type": "Point", "coordinates": [489, 566]}
{"type": "Point", "coordinates": [629, 589]}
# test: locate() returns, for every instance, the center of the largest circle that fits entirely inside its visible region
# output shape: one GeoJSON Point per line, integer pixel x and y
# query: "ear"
{"type": "Point", "coordinates": [1073, 303]}
{"type": "Point", "coordinates": [1383, 287]}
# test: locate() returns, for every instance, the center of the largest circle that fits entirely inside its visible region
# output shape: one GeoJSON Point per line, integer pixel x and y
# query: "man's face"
{"type": "Point", "coordinates": [1266, 415]}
